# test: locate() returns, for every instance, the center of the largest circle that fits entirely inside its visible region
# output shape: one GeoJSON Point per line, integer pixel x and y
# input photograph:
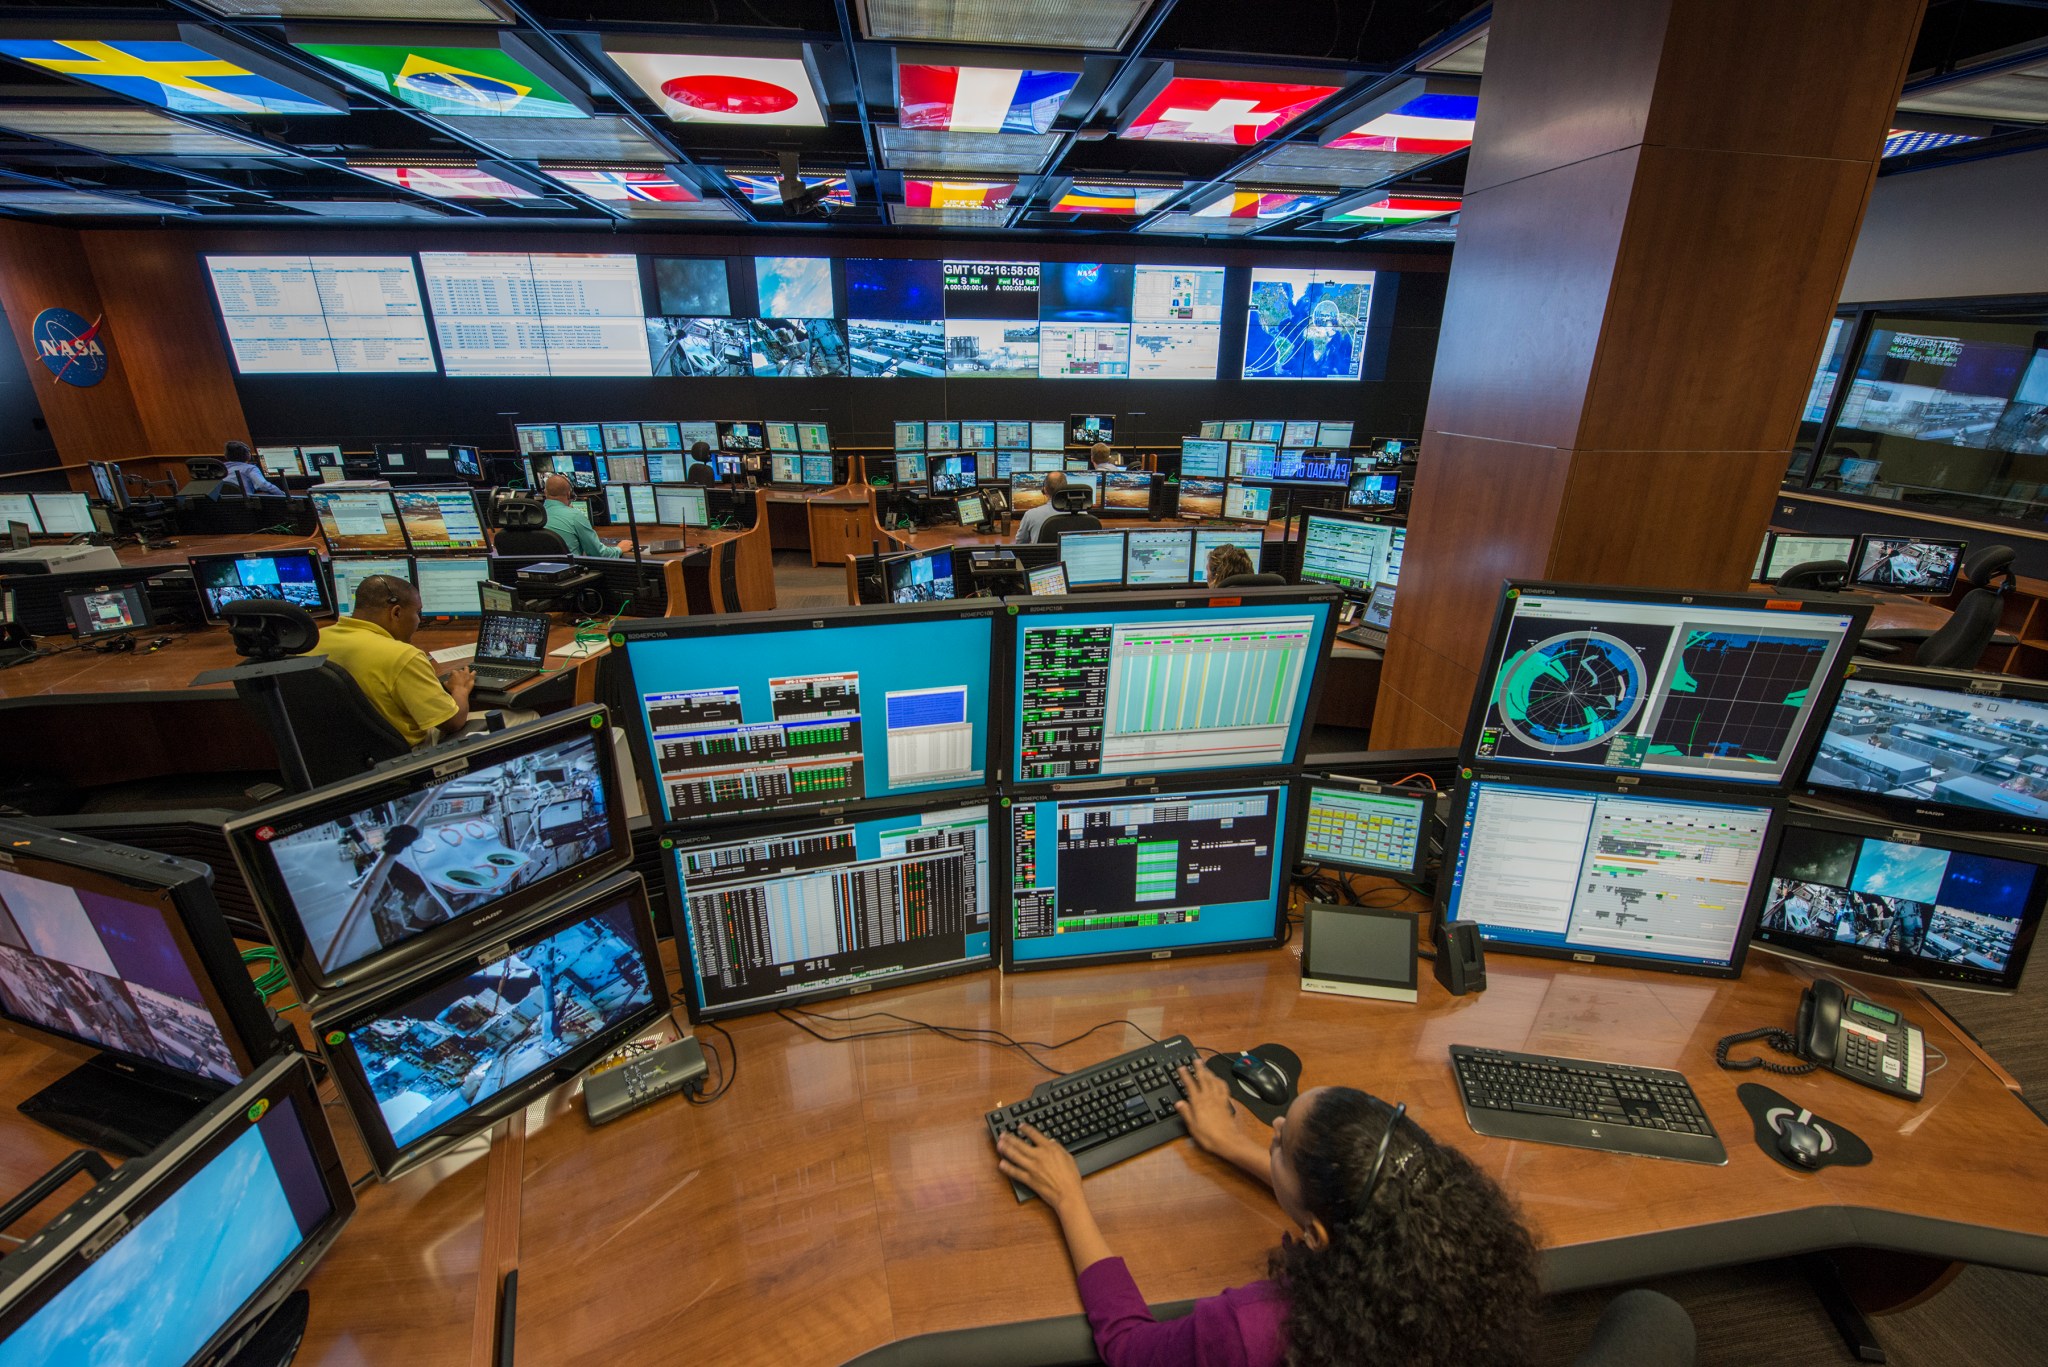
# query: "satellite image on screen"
{"type": "Point", "coordinates": [793, 348]}
{"type": "Point", "coordinates": [706, 347]}
{"type": "Point", "coordinates": [794, 286]}
{"type": "Point", "coordinates": [1307, 325]}
{"type": "Point", "coordinates": [888, 349]}
{"type": "Point", "coordinates": [692, 286]}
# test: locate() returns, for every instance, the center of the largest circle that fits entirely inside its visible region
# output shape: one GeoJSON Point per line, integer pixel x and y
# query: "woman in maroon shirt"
{"type": "Point", "coordinates": [1407, 1254]}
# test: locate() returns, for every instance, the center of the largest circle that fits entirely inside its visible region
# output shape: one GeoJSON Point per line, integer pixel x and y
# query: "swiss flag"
{"type": "Point", "coordinates": [1238, 113]}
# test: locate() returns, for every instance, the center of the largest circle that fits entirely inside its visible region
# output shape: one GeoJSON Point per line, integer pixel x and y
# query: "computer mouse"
{"type": "Point", "coordinates": [1262, 1079]}
{"type": "Point", "coordinates": [1800, 1142]}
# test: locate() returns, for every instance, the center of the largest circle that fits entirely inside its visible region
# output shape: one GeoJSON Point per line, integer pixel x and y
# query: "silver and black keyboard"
{"type": "Point", "coordinates": [1613, 1107]}
{"type": "Point", "coordinates": [1102, 1115]}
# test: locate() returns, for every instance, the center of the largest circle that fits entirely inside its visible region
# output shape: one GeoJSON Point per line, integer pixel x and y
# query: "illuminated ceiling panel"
{"type": "Point", "coordinates": [765, 187]}
{"type": "Point", "coordinates": [2016, 93]}
{"type": "Point", "coordinates": [1428, 125]}
{"type": "Point", "coordinates": [622, 183]}
{"type": "Point", "coordinates": [767, 92]}
{"type": "Point", "coordinates": [1440, 231]}
{"type": "Point", "coordinates": [980, 99]}
{"type": "Point", "coordinates": [1265, 204]}
{"type": "Point", "coordinates": [451, 82]}
{"type": "Point", "coordinates": [1188, 225]}
{"type": "Point", "coordinates": [1393, 209]}
{"type": "Point", "coordinates": [361, 208]}
{"type": "Point", "coordinates": [1232, 113]}
{"type": "Point", "coordinates": [447, 182]}
{"type": "Point", "coordinates": [53, 201]}
{"type": "Point", "coordinates": [166, 73]}
{"type": "Point", "coordinates": [600, 139]}
{"type": "Point", "coordinates": [1466, 58]}
{"type": "Point", "coordinates": [413, 11]}
{"type": "Point", "coordinates": [1903, 142]}
{"type": "Point", "coordinates": [914, 149]}
{"type": "Point", "coordinates": [1089, 197]}
{"type": "Point", "coordinates": [1099, 25]}
{"type": "Point", "coordinates": [128, 132]}
{"type": "Point", "coordinates": [1332, 167]}
{"type": "Point", "coordinates": [913, 216]}
{"type": "Point", "coordinates": [956, 194]}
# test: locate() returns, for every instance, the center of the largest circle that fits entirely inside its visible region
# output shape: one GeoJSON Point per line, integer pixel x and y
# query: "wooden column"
{"type": "Point", "coordinates": [43, 266]}
{"type": "Point", "coordinates": [179, 370]}
{"type": "Point", "coordinates": [1659, 213]}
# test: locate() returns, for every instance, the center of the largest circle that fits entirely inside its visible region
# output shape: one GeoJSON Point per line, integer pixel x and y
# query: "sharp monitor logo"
{"type": "Point", "coordinates": [71, 347]}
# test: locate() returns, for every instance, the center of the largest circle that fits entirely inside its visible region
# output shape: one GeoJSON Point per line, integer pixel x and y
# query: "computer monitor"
{"type": "Point", "coordinates": [582, 436]}
{"type": "Point", "coordinates": [909, 436]}
{"type": "Point", "coordinates": [1346, 551]}
{"type": "Point", "coordinates": [1394, 554]}
{"type": "Point", "coordinates": [358, 521]}
{"type": "Point", "coordinates": [950, 474]}
{"type": "Point", "coordinates": [1298, 466]}
{"type": "Point", "coordinates": [64, 514]}
{"type": "Point", "coordinates": [970, 509]}
{"type": "Point", "coordinates": [1208, 539]}
{"type": "Point", "coordinates": [920, 576]}
{"type": "Point", "coordinates": [346, 575]}
{"type": "Point", "coordinates": [690, 433]}
{"type": "Point", "coordinates": [625, 468]}
{"type": "Point", "coordinates": [1093, 559]}
{"type": "Point", "coordinates": [630, 503]}
{"type": "Point", "coordinates": [1936, 906]}
{"type": "Point", "coordinates": [1298, 433]}
{"type": "Point", "coordinates": [1247, 503]}
{"type": "Point", "coordinates": [801, 710]}
{"type": "Point", "coordinates": [1208, 459]}
{"type": "Point", "coordinates": [942, 435]}
{"type": "Point", "coordinates": [1646, 875]}
{"type": "Point", "coordinates": [785, 468]}
{"type": "Point", "coordinates": [440, 519]}
{"type": "Point", "coordinates": [448, 585]}
{"type": "Point", "coordinates": [363, 879]}
{"type": "Point", "coordinates": [1127, 489]}
{"type": "Point", "coordinates": [537, 438]}
{"type": "Point", "coordinates": [778, 914]}
{"type": "Point", "coordinates": [1158, 683]}
{"type": "Point", "coordinates": [1358, 825]}
{"type": "Point", "coordinates": [321, 457]}
{"type": "Point", "coordinates": [1781, 551]}
{"type": "Point", "coordinates": [1045, 462]}
{"type": "Point", "coordinates": [816, 470]}
{"type": "Point", "coordinates": [106, 482]}
{"type": "Point", "coordinates": [108, 610]}
{"type": "Point", "coordinates": [21, 508]}
{"type": "Point", "coordinates": [1086, 429]}
{"type": "Point", "coordinates": [1253, 460]}
{"type": "Point", "coordinates": [121, 957]}
{"type": "Point", "coordinates": [1047, 581]}
{"type": "Point", "coordinates": [1379, 608]}
{"type": "Point", "coordinates": [1267, 430]}
{"type": "Point", "coordinates": [1153, 874]}
{"type": "Point", "coordinates": [1048, 436]}
{"type": "Point", "coordinates": [781, 436]}
{"type": "Point", "coordinates": [468, 463]}
{"type": "Point", "coordinates": [1159, 558]}
{"type": "Point", "coordinates": [1026, 491]}
{"type": "Point", "coordinates": [1200, 498]}
{"type": "Point", "coordinates": [660, 436]}
{"type": "Point", "coordinates": [814, 438]}
{"type": "Point", "coordinates": [291, 576]}
{"type": "Point", "coordinates": [620, 436]}
{"type": "Point", "coordinates": [681, 505]}
{"type": "Point", "coordinates": [1209, 428]}
{"type": "Point", "coordinates": [977, 434]}
{"type": "Point", "coordinates": [1335, 435]}
{"type": "Point", "coordinates": [1369, 490]}
{"type": "Point", "coordinates": [1659, 684]}
{"type": "Point", "coordinates": [280, 460]}
{"type": "Point", "coordinates": [184, 1255]}
{"type": "Point", "coordinates": [1905, 564]}
{"type": "Point", "coordinates": [431, 1057]}
{"type": "Point", "coordinates": [911, 470]}
{"type": "Point", "coordinates": [742, 436]}
{"type": "Point", "coordinates": [1013, 434]}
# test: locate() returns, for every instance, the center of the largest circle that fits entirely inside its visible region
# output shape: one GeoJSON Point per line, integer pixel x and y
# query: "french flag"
{"type": "Point", "coordinates": [980, 99]}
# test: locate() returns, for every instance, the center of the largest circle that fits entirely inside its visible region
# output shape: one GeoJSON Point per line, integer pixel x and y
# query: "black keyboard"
{"type": "Point", "coordinates": [1612, 1107]}
{"type": "Point", "coordinates": [1107, 1113]}
{"type": "Point", "coordinates": [1371, 637]}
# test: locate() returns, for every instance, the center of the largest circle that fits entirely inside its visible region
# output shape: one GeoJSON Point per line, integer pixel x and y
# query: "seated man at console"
{"type": "Point", "coordinates": [1101, 457]}
{"type": "Point", "coordinates": [569, 522]}
{"type": "Point", "coordinates": [245, 476]}
{"type": "Point", "coordinates": [1034, 518]}
{"type": "Point", "coordinates": [1407, 1254]}
{"type": "Point", "coordinates": [373, 643]}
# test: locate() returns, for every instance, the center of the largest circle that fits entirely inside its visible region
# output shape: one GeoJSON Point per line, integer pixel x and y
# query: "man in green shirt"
{"type": "Point", "coordinates": [567, 521]}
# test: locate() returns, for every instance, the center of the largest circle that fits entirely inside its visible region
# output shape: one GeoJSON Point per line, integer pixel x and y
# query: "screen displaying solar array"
{"type": "Point", "coordinates": [754, 721]}
{"type": "Point", "coordinates": [322, 315]}
{"type": "Point", "coordinates": [784, 913]}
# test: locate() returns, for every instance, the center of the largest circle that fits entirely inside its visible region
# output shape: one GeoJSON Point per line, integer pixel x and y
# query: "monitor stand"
{"type": "Point", "coordinates": [276, 1340]}
{"type": "Point", "coordinates": [113, 1109]}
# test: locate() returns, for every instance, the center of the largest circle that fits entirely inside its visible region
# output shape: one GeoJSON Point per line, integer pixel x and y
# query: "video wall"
{"type": "Point", "coordinates": [585, 315]}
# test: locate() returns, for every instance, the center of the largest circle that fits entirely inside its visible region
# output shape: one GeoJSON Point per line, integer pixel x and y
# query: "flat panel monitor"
{"type": "Point", "coordinates": [582, 436]}
{"type": "Point", "coordinates": [1730, 689]}
{"type": "Point", "coordinates": [785, 469]}
{"type": "Point", "coordinates": [347, 575]}
{"type": "Point", "coordinates": [537, 438]}
{"type": "Point", "coordinates": [1045, 462]}
{"type": "Point", "coordinates": [1026, 491]}
{"type": "Point", "coordinates": [468, 463]}
{"type": "Point", "coordinates": [1936, 907]}
{"type": "Point", "coordinates": [108, 610]}
{"type": "Point", "coordinates": [1209, 427]}
{"type": "Point", "coordinates": [1248, 503]}
{"type": "Point", "coordinates": [108, 485]}
{"type": "Point", "coordinates": [630, 503]}
{"type": "Point", "coordinates": [815, 470]}
{"type": "Point", "coordinates": [942, 435]}
{"type": "Point", "coordinates": [1369, 490]}
{"type": "Point", "coordinates": [1782, 551]}
{"type": "Point", "coordinates": [1333, 434]}
{"type": "Point", "coordinates": [742, 436]}
{"type": "Point", "coordinates": [1345, 551]}
{"type": "Point", "coordinates": [681, 505]}
{"type": "Point", "coordinates": [620, 436]}
{"type": "Point", "coordinates": [1395, 553]}
{"type": "Point", "coordinates": [977, 434]}
{"type": "Point", "coordinates": [785, 913]}
{"type": "Point", "coordinates": [448, 584]}
{"type": "Point", "coordinates": [122, 958]}
{"type": "Point", "coordinates": [1047, 581]}
{"type": "Point", "coordinates": [1904, 564]}
{"type": "Point", "coordinates": [1360, 826]}
{"type": "Point", "coordinates": [970, 509]}
{"type": "Point", "coordinates": [624, 468]}
{"type": "Point", "coordinates": [1159, 558]}
{"type": "Point", "coordinates": [440, 519]}
{"type": "Point", "coordinates": [1295, 432]}
{"type": "Point", "coordinates": [64, 514]}
{"type": "Point", "coordinates": [1312, 467]}
{"type": "Point", "coordinates": [358, 521]}
{"type": "Point", "coordinates": [911, 470]}
{"type": "Point", "coordinates": [1013, 435]}
{"type": "Point", "coordinates": [910, 436]}
{"type": "Point", "coordinates": [1237, 429]}
{"type": "Point", "coordinates": [1130, 490]}
{"type": "Point", "coordinates": [1651, 877]}
{"type": "Point", "coordinates": [442, 1053]}
{"type": "Point", "coordinates": [1145, 875]}
{"type": "Point", "coordinates": [1086, 429]}
{"type": "Point", "coordinates": [950, 474]}
{"type": "Point", "coordinates": [1379, 608]}
{"type": "Point", "coordinates": [280, 460]}
{"type": "Point", "coordinates": [1201, 498]}
{"type": "Point", "coordinates": [802, 710]}
{"type": "Point", "coordinates": [660, 436]}
{"type": "Point", "coordinates": [1006, 463]}
{"type": "Point", "coordinates": [181, 1256]}
{"type": "Point", "coordinates": [782, 436]}
{"type": "Point", "coordinates": [921, 576]}
{"type": "Point", "coordinates": [1268, 430]}
{"type": "Point", "coordinates": [1048, 436]}
{"type": "Point", "coordinates": [397, 457]}
{"type": "Point", "coordinates": [363, 879]}
{"type": "Point", "coordinates": [290, 576]}
{"type": "Point", "coordinates": [1093, 559]}
{"type": "Point", "coordinates": [1154, 684]}
{"type": "Point", "coordinates": [690, 433]}
{"type": "Point", "coordinates": [1254, 460]}
{"type": "Point", "coordinates": [1200, 456]}
{"type": "Point", "coordinates": [1207, 539]}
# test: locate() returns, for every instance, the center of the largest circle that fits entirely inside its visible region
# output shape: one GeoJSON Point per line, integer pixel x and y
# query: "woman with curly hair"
{"type": "Point", "coordinates": [1407, 1252]}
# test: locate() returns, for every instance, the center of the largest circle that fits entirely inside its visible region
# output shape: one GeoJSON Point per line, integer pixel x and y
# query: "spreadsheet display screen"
{"type": "Point", "coordinates": [544, 313]}
{"type": "Point", "coordinates": [1352, 555]}
{"type": "Point", "coordinates": [1158, 690]}
{"type": "Point", "coordinates": [322, 315]}
{"type": "Point", "coordinates": [775, 917]}
{"type": "Point", "coordinates": [1359, 830]}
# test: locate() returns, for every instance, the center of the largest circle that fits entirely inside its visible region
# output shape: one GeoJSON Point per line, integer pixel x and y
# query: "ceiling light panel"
{"type": "Point", "coordinates": [1188, 225]}
{"type": "Point", "coordinates": [1089, 25]}
{"type": "Point", "coordinates": [920, 193]}
{"type": "Point", "coordinates": [923, 150]}
{"type": "Point", "coordinates": [411, 11]}
{"type": "Point", "coordinates": [168, 73]}
{"type": "Point", "coordinates": [1432, 125]}
{"type": "Point", "coordinates": [768, 92]}
{"type": "Point", "coordinates": [1331, 167]}
{"type": "Point", "coordinates": [2017, 93]}
{"type": "Point", "coordinates": [1393, 209]}
{"type": "Point", "coordinates": [980, 99]}
{"type": "Point", "coordinates": [916, 216]}
{"type": "Point", "coordinates": [1440, 231]}
{"type": "Point", "coordinates": [765, 187]}
{"type": "Point", "coordinates": [465, 81]}
{"type": "Point", "coordinates": [1468, 58]}
{"type": "Point", "coordinates": [361, 208]}
{"type": "Point", "coordinates": [606, 138]}
{"type": "Point", "coordinates": [446, 182]}
{"type": "Point", "coordinates": [622, 184]}
{"type": "Point", "coordinates": [1261, 204]}
{"type": "Point", "coordinates": [1903, 142]}
{"type": "Point", "coordinates": [128, 132]}
{"type": "Point", "coordinates": [1226, 112]}
{"type": "Point", "coordinates": [1091, 197]}
{"type": "Point", "coordinates": [78, 202]}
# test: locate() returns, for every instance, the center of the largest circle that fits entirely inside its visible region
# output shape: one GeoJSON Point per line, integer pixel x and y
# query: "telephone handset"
{"type": "Point", "coordinates": [1859, 1039]}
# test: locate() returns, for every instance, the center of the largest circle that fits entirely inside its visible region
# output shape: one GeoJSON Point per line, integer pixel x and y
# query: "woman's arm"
{"type": "Point", "coordinates": [1048, 1169]}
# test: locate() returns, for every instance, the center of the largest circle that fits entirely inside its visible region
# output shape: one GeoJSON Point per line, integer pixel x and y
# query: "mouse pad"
{"type": "Point", "coordinates": [1769, 1111]}
{"type": "Point", "coordinates": [1281, 1057]}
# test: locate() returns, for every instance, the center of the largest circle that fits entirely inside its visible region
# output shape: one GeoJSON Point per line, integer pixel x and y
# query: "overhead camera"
{"type": "Point", "coordinates": [799, 199]}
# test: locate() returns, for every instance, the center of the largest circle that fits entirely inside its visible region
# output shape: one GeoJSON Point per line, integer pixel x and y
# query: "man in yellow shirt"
{"type": "Point", "coordinates": [371, 643]}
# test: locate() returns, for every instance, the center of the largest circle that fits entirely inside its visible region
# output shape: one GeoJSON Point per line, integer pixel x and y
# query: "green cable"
{"type": "Point", "coordinates": [273, 979]}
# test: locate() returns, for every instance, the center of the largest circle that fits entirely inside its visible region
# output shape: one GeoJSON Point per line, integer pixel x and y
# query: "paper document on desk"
{"type": "Point", "coordinates": [452, 654]}
{"type": "Point", "coordinates": [579, 649]}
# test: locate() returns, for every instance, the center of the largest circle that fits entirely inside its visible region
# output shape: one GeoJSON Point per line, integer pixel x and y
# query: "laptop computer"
{"type": "Point", "coordinates": [510, 648]}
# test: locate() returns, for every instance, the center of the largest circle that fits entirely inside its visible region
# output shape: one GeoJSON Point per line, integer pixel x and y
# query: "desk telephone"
{"type": "Point", "coordinates": [1859, 1039]}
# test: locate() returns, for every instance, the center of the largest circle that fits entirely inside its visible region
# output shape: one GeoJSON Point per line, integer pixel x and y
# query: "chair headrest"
{"type": "Point", "coordinates": [269, 628]}
{"type": "Point", "coordinates": [206, 467]}
{"type": "Point", "coordinates": [518, 512]}
{"type": "Point", "coordinates": [1074, 500]}
{"type": "Point", "coordinates": [1987, 563]}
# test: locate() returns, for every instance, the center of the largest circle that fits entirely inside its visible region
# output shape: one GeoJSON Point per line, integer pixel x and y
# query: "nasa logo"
{"type": "Point", "coordinates": [70, 347]}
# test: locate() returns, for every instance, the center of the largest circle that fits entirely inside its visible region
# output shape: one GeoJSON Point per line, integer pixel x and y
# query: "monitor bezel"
{"type": "Point", "coordinates": [1767, 853]}
{"type": "Point", "coordinates": [1263, 519]}
{"type": "Point", "coordinates": [1183, 531]}
{"type": "Point", "coordinates": [326, 608]}
{"type": "Point", "coordinates": [393, 1160]}
{"type": "Point", "coordinates": [1096, 535]}
{"type": "Point", "coordinates": [890, 563]}
{"type": "Point", "coordinates": [1330, 778]}
{"type": "Point", "coordinates": [1002, 915]}
{"type": "Point", "coordinates": [248, 834]}
{"type": "Point", "coordinates": [1196, 597]}
{"type": "Point", "coordinates": [1856, 581]}
{"type": "Point", "coordinates": [698, 837]}
{"type": "Point", "coordinates": [314, 495]}
{"type": "Point", "coordinates": [1882, 963]}
{"type": "Point", "coordinates": [483, 546]}
{"type": "Point", "coordinates": [1828, 688]}
{"type": "Point", "coordinates": [711, 629]}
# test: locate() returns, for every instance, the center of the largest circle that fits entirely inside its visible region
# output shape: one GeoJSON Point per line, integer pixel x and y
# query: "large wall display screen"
{"type": "Point", "coordinates": [322, 315]}
{"type": "Point", "coordinates": [1306, 324]}
{"type": "Point", "coordinates": [511, 313]}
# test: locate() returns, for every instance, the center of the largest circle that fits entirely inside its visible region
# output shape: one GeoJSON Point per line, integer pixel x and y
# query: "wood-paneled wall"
{"type": "Point", "coordinates": [42, 266]}
{"type": "Point", "coordinates": [179, 370]}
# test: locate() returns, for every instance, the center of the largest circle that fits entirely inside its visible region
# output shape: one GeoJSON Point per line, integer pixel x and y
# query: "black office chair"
{"type": "Point", "coordinates": [1073, 515]}
{"type": "Point", "coordinates": [1961, 640]}
{"type": "Point", "coordinates": [522, 527]}
{"type": "Point", "coordinates": [1826, 576]}
{"type": "Point", "coordinates": [205, 475]}
{"type": "Point", "coordinates": [700, 473]}
{"type": "Point", "coordinates": [324, 729]}
{"type": "Point", "coordinates": [1250, 581]}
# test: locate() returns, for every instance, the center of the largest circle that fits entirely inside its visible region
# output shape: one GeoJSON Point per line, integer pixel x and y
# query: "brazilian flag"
{"type": "Point", "coordinates": [449, 82]}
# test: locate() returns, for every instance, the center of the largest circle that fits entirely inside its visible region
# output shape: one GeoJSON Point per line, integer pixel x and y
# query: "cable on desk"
{"type": "Point", "coordinates": [728, 1073]}
{"type": "Point", "coordinates": [960, 1034]}
{"type": "Point", "coordinates": [1417, 774]}
{"type": "Point", "coordinates": [271, 980]}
